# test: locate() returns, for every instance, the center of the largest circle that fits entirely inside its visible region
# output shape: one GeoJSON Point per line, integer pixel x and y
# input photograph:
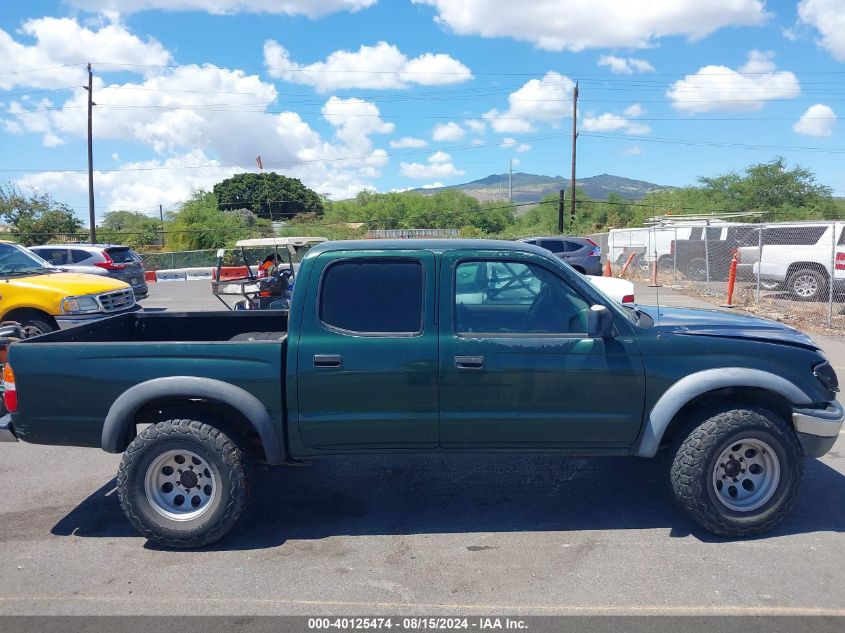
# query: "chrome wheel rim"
{"type": "Point", "coordinates": [805, 286]}
{"type": "Point", "coordinates": [746, 475]}
{"type": "Point", "coordinates": [31, 330]}
{"type": "Point", "coordinates": [181, 486]}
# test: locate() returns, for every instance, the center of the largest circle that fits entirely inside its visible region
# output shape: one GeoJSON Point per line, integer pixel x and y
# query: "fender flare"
{"type": "Point", "coordinates": [123, 410]}
{"type": "Point", "coordinates": [694, 385]}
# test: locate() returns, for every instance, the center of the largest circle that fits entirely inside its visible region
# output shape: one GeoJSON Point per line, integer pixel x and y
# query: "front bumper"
{"type": "Point", "coordinates": [66, 321]}
{"type": "Point", "coordinates": [818, 429]}
{"type": "Point", "coordinates": [6, 433]}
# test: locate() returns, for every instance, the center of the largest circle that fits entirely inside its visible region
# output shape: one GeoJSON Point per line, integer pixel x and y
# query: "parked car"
{"type": "Point", "coordinates": [44, 299]}
{"type": "Point", "coordinates": [60, 259]}
{"type": "Point", "coordinates": [582, 253]}
{"type": "Point", "coordinates": [119, 262]}
{"type": "Point", "coordinates": [429, 346]}
{"type": "Point", "coordinates": [806, 259]}
{"type": "Point", "coordinates": [620, 290]}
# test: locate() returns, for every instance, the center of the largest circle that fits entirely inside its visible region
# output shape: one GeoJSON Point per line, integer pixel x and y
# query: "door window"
{"type": "Point", "coordinates": [56, 256]}
{"type": "Point", "coordinates": [555, 246]}
{"type": "Point", "coordinates": [505, 297]}
{"type": "Point", "coordinates": [373, 296]}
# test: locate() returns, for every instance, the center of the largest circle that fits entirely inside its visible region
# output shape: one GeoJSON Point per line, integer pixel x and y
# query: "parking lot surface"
{"type": "Point", "coordinates": [434, 535]}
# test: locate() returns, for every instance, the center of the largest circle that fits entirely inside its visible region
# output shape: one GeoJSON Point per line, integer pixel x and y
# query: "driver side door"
{"type": "Point", "coordinates": [517, 367]}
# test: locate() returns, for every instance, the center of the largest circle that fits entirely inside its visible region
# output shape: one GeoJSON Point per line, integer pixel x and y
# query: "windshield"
{"type": "Point", "coordinates": [16, 260]}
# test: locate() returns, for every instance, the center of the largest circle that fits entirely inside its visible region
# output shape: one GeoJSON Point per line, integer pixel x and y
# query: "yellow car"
{"type": "Point", "coordinates": [43, 298]}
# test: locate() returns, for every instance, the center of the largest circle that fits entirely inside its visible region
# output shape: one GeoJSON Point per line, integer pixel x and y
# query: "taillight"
{"type": "Point", "coordinates": [596, 252]}
{"type": "Point", "coordinates": [628, 299]}
{"type": "Point", "coordinates": [109, 263]}
{"type": "Point", "coordinates": [10, 394]}
{"type": "Point", "coordinates": [591, 242]}
{"type": "Point", "coordinates": [840, 261]}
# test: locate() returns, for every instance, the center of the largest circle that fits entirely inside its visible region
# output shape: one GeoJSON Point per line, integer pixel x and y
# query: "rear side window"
{"type": "Point", "coordinates": [555, 246]}
{"type": "Point", "coordinates": [121, 255]}
{"type": "Point", "coordinates": [78, 256]}
{"type": "Point", "coordinates": [841, 241]}
{"type": "Point", "coordinates": [373, 296]}
{"type": "Point", "coordinates": [793, 235]}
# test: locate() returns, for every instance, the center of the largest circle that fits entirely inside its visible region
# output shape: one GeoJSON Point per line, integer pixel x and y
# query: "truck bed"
{"type": "Point", "coordinates": [145, 327]}
{"type": "Point", "coordinates": [69, 379]}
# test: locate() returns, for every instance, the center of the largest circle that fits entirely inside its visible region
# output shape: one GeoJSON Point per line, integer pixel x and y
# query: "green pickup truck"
{"type": "Point", "coordinates": [429, 346]}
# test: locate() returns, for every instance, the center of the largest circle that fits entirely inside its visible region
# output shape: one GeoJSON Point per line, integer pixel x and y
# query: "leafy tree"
{"type": "Point", "coordinates": [268, 195]}
{"type": "Point", "coordinates": [130, 228]}
{"type": "Point", "coordinates": [199, 224]}
{"type": "Point", "coordinates": [36, 217]}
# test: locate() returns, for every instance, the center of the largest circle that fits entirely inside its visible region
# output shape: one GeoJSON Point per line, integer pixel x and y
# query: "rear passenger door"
{"type": "Point", "coordinates": [367, 355]}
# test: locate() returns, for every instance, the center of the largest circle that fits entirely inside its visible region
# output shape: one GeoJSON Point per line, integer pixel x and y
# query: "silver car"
{"type": "Point", "coordinates": [119, 262]}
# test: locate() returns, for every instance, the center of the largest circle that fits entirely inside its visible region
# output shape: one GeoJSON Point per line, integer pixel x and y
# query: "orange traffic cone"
{"type": "Point", "coordinates": [607, 270]}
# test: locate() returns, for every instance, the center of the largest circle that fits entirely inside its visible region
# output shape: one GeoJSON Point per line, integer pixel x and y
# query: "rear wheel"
{"type": "Point", "coordinates": [697, 269]}
{"type": "Point", "coordinates": [808, 285]}
{"type": "Point", "coordinates": [738, 473]}
{"type": "Point", "coordinates": [183, 483]}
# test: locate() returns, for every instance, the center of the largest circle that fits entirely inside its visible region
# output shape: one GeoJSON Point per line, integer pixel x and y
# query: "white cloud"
{"type": "Point", "coordinates": [61, 48]}
{"type": "Point", "coordinates": [609, 122]}
{"type": "Point", "coordinates": [623, 66]}
{"type": "Point", "coordinates": [450, 131]}
{"type": "Point", "coordinates": [476, 126]}
{"type": "Point", "coordinates": [547, 99]}
{"type": "Point", "coordinates": [439, 166]}
{"type": "Point", "coordinates": [433, 185]}
{"type": "Point", "coordinates": [715, 88]}
{"type": "Point", "coordinates": [309, 8]}
{"type": "Point", "coordinates": [382, 67]}
{"type": "Point", "coordinates": [512, 143]}
{"type": "Point", "coordinates": [828, 17]}
{"type": "Point", "coordinates": [817, 121]}
{"type": "Point", "coordinates": [634, 150]}
{"type": "Point", "coordinates": [634, 110]}
{"type": "Point", "coordinates": [580, 24]}
{"type": "Point", "coordinates": [408, 141]}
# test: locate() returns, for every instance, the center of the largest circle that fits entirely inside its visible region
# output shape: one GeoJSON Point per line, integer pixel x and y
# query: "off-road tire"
{"type": "Point", "coordinates": [821, 285]}
{"type": "Point", "coordinates": [223, 455]}
{"type": "Point", "coordinates": [694, 461]}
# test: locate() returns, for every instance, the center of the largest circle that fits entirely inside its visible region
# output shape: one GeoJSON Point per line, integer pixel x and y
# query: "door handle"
{"type": "Point", "coordinates": [328, 360]}
{"type": "Point", "coordinates": [469, 362]}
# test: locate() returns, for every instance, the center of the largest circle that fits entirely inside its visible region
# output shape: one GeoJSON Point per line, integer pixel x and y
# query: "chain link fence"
{"type": "Point", "coordinates": [792, 272]}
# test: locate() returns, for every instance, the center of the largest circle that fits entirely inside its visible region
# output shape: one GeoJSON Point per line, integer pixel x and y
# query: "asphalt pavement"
{"type": "Point", "coordinates": [423, 535]}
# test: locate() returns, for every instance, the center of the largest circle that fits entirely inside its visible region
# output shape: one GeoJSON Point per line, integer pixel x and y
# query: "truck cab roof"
{"type": "Point", "coordinates": [436, 245]}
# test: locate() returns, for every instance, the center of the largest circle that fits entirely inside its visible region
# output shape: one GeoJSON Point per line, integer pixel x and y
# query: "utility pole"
{"type": "Point", "coordinates": [574, 142]}
{"type": "Point", "coordinates": [161, 216]}
{"type": "Point", "coordinates": [560, 206]}
{"type": "Point", "coordinates": [91, 104]}
{"type": "Point", "coordinates": [510, 180]}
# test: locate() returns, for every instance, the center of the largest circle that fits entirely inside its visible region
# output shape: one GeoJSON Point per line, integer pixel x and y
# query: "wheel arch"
{"type": "Point", "coordinates": [708, 387]}
{"type": "Point", "coordinates": [20, 312]}
{"type": "Point", "coordinates": [190, 391]}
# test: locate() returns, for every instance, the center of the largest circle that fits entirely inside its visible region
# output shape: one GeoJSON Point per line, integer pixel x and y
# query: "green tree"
{"type": "Point", "coordinates": [36, 217]}
{"type": "Point", "coordinates": [268, 195]}
{"type": "Point", "coordinates": [130, 228]}
{"type": "Point", "coordinates": [199, 224]}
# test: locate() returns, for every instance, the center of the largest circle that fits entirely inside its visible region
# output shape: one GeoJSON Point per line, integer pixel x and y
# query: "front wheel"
{"type": "Point", "coordinates": [738, 473]}
{"type": "Point", "coordinates": [183, 483]}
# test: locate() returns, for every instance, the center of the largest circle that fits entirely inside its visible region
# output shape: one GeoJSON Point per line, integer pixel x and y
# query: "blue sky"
{"type": "Point", "coordinates": [394, 94]}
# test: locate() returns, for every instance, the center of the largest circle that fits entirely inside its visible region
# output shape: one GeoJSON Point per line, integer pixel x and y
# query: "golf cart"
{"type": "Point", "coordinates": [264, 281]}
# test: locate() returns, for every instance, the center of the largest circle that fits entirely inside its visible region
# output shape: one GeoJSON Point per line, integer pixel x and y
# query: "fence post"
{"type": "Point", "coordinates": [832, 274]}
{"type": "Point", "coordinates": [675, 259]}
{"type": "Point", "coordinates": [759, 262]}
{"type": "Point", "coordinates": [707, 256]}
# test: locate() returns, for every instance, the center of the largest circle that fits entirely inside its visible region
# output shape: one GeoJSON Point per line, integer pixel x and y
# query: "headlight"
{"type": "Point", "coordinates": [825, 375]}
{"type": "Point", "coordinates": [80, 305]}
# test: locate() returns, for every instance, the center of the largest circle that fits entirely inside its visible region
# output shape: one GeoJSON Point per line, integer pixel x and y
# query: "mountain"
{"type": "Point", "coordinates": [531, 187]}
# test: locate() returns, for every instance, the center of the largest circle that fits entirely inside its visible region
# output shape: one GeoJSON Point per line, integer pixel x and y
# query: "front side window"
{"type": "Point", "coordinates": [16, 260]}
{"type": "Point", "coordinates": [373, 296]}
{"type": "Point", "coordinates": [56, 256]}
{"type": "Point", "coordinates": [503, 297]}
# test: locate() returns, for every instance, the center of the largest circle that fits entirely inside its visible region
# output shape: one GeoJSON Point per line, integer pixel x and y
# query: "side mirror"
{"type": "Point", "coordinates": [599, 322]}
